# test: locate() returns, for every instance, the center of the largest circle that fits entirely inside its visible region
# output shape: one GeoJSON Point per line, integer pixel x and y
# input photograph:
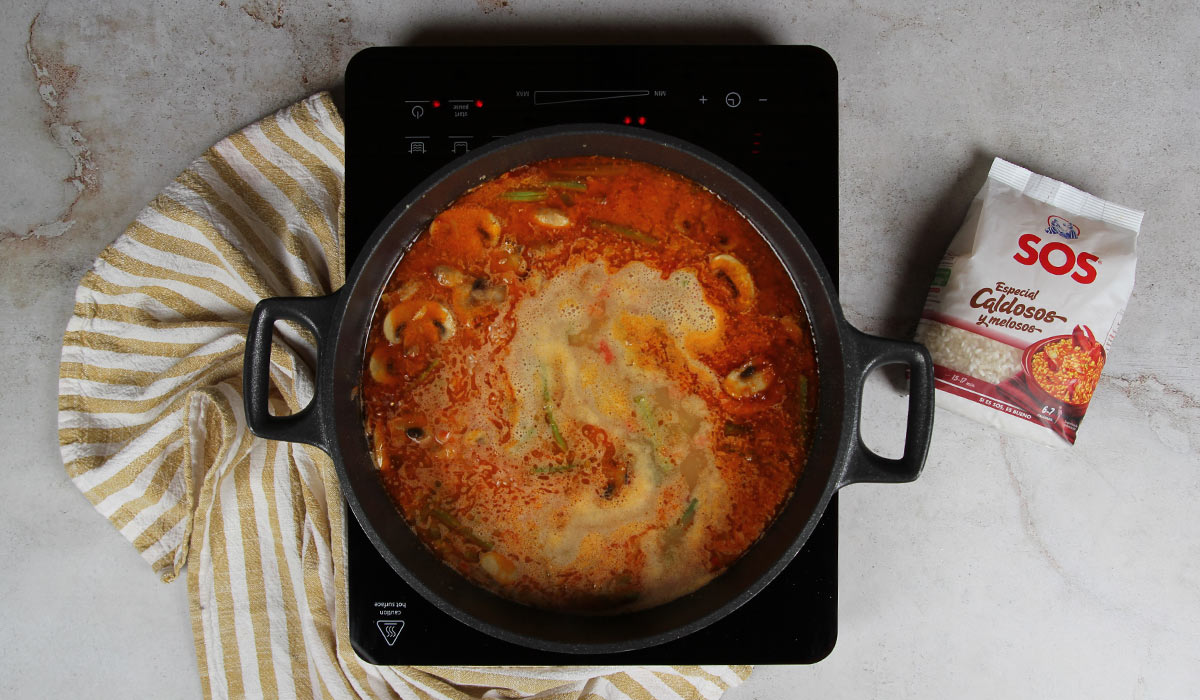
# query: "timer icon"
{"type": "Point", "coordinates": [733, 99]}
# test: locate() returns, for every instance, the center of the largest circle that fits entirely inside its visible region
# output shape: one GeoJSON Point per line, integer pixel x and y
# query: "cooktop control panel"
{"type": "Point", "coordinates": [747, 104]}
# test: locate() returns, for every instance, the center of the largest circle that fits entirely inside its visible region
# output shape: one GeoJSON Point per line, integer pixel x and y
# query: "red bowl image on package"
{"type": "Point", "coordinates": [1064, 368]}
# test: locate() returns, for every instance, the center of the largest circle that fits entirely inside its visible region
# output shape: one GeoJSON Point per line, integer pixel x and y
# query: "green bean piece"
{"type": "Point", "coordinates": [674, 532]}
{"type": "Point", "coordinates": [624, 590]}
{"type": "Point", "coordinates": [645, 414]}
{"type": "Point", "coordinates": [625, 231]}
{"type": "Point", "coordinates": [548, 407]}
{"type": "Point", "coordinates": [427, 371]}
{"type": "Point", "coordinates": [524, 195]}
{"type": "Point", "coordinates": [644, 411]}
{"type": "Point", "coordinates": [554, 468]}
{"type": "Point", "coordinates": [452, 522]}
{"type": "Point", "coordinates": [568, 185]}
{"type": "Point", "coordinates": [689, 513]}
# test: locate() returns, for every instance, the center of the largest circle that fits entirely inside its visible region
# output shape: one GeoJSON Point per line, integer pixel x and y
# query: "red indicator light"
{"type": "Point", "coordinates": [628, 120]}
{"type": "Point", "coordinates": [437, 103]}
{"type": "Point", "coordinates": [641, 121]}
{"type": "Point", "coordinates": [478, 103]}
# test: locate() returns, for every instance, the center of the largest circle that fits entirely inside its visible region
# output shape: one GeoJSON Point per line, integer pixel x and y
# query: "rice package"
{"type": "Point", "coordinates": [1025, 304]}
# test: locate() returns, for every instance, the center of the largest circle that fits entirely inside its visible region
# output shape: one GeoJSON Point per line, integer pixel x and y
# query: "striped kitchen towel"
{"type": "Point", "coordinates": [152, 431]}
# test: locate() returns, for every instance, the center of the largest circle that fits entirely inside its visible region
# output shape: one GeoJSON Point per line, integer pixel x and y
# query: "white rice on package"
{"type": "Point", "coordinates": [1025, 305]}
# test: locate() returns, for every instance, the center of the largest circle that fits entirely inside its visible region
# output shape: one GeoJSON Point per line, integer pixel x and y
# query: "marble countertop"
{"type": "Point", "coordinates": [1007, 570]}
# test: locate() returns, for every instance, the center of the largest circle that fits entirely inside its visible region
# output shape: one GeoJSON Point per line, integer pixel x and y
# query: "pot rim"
{"type": "Point", "coordinates": [332, 421]}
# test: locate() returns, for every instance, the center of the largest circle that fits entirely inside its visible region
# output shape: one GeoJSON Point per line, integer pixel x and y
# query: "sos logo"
{"type": "Point", "coordinates": [1057, 258]}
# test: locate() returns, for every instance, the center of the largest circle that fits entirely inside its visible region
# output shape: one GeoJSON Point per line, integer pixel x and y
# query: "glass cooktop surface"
{"type": "Point", "coordinates": [769, 110]}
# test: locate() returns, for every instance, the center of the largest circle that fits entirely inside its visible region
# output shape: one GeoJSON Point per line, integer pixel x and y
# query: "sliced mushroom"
{"type": "Point", "coordinates": [411, 321]}
{"type": "Point", "coordinates": [791, 328]}
{"type": "Point", "coordinates": [749, 379]}
{"type": "Point", "coordinates": [488, 226]}
{"type": "Point", "coordinates": [439, 317]}
{"type": "Point", "coordinates": [409, 427]}
{"type": "Point", "coordinates": [393, 322]}
{"type": "Point", "coordinates": [468, 298]}
{"type": "Point", "coordinates": [484, 293]}
{"type": "Point", "coordinates": [734, 271]}
{"type": "Point", "coordinates": [551, 217]}
{"type": "Point", "coordinates": [459, 222]}
{"type": "Point", "coordinates": [402, 293]}
{"type": "Point", "coordinates": [448, 276]}
{"type": "Point", "coordinates": [381, 366]}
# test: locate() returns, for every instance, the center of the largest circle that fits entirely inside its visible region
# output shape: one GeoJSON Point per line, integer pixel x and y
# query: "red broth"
{"type": "Point", "coordinates": [590, 385]}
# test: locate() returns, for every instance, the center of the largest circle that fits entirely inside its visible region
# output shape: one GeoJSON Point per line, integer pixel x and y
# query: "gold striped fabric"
{"type": "Point", "coordinates": [152, 431]}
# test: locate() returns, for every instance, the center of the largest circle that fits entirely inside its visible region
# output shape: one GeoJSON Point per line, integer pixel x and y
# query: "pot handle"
{"type": "Point", "coordinates": [867, 353]}
{"type": "Point", "coordinates": [310, 425]}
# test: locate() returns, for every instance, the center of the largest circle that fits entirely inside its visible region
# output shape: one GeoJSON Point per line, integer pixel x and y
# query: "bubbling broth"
{"type": "Point", "coordinates": [589, 385]}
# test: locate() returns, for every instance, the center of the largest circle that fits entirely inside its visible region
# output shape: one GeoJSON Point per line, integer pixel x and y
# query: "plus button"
{"type": "Point", "coordinates": [703, 99]}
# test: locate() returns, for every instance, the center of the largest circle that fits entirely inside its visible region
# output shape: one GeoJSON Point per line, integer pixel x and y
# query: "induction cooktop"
{"type": "Point", "coordinates": [769, 110]}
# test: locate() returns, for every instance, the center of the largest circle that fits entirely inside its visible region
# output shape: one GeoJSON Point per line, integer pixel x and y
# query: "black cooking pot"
{"type": "Point", "coordinates": [333, 420]}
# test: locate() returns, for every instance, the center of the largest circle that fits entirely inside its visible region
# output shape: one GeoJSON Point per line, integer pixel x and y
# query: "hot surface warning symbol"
{"type": "Point", "coordinates": [390, 629]}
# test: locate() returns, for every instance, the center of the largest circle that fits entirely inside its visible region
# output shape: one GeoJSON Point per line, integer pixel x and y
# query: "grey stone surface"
{"type": "Point", "coordinates": [1007, 570]}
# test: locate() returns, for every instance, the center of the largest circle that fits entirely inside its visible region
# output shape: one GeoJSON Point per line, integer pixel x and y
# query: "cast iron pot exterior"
{"type": "Point", "coordinates": [333, 420]}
